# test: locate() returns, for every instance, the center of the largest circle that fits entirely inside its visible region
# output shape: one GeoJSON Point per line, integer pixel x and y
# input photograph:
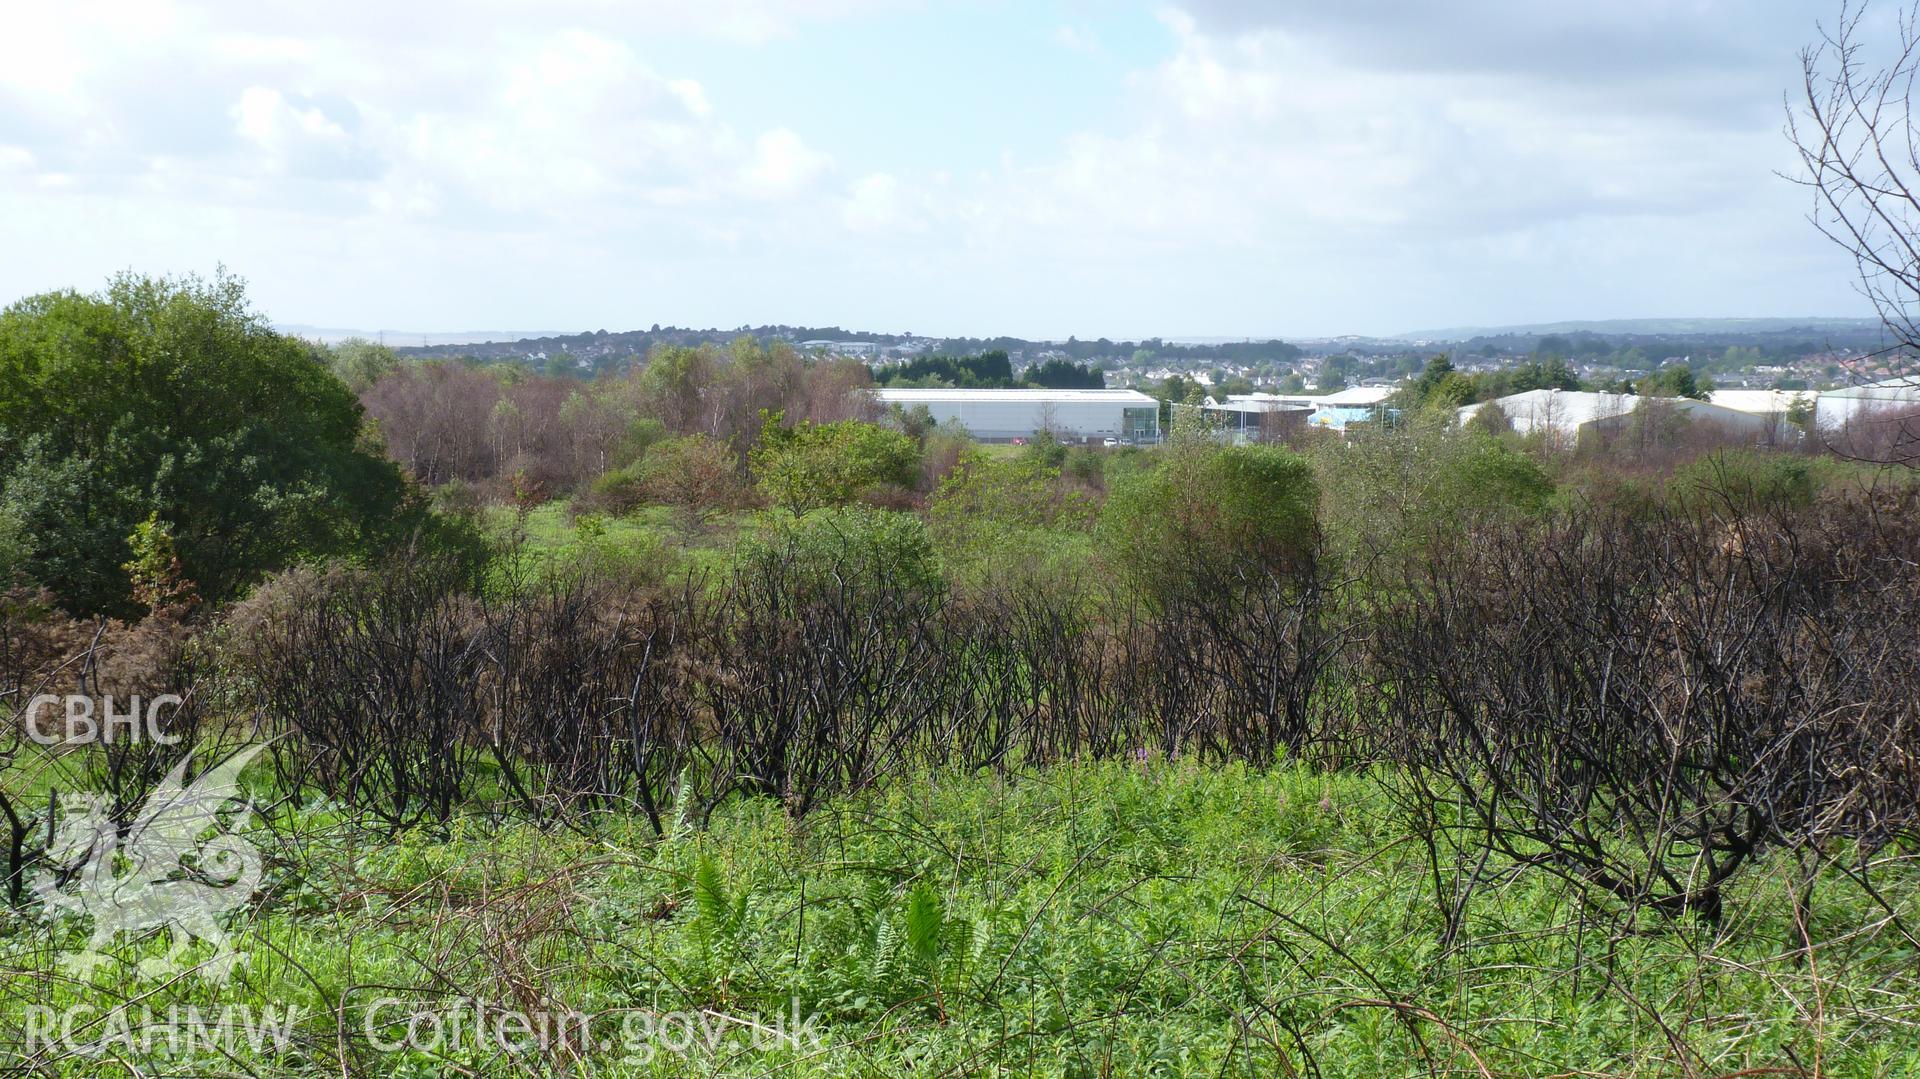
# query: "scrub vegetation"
{"type": "Point", "coordinates": [1415, 751]}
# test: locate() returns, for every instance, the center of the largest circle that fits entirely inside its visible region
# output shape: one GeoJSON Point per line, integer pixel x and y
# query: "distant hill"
{"type": "Point", "coordinates": [602, 345]}
{"type": "Point", "coordinates": [413, 338]}
{"type": "Point", "coordinates": [1655, 327]}
{"type": "Point", "coordinates": [596, 348]}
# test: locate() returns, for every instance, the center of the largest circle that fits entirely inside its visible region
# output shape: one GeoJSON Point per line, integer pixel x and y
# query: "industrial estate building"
{"type": "Point", "coordinates": [1891, 399]}
{"type": "Point", "coordinates": [1566, 415]}
{"type": "Point", "coordinates": [1775, 404]}
{"type": "Point", "coordinates": [1266, 417]}
{"type": "Point", "coordinates": [1005, 415]}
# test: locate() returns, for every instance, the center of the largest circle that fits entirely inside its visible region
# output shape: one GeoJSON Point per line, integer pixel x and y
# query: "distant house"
{"type": "Point", "coordinates": [1004, 415]}
{"type": "Point", "coordinates": [1567, 415]}
{"type": "Point", "coordinates": [842, 348]}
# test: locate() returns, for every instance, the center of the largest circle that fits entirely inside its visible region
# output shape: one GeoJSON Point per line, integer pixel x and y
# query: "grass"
{"type": "Point", "coordinates": [1142, 918]}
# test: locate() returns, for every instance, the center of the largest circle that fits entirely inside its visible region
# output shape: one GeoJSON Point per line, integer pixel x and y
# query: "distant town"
{"type": "Point", "coordinates": [1745, 354]}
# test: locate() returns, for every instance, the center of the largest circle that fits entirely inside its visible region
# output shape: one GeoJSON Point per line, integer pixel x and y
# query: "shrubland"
{"type": "Point", "coordinates": [1419, 751]}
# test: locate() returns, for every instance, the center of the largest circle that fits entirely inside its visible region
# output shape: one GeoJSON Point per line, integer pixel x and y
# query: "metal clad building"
{"type": "Point", "coordinates": [1567, 414]}
{"type": "Point", "coordinates": [1072, 415]}
{"type": "Point", "coordinates": [1889, 399]}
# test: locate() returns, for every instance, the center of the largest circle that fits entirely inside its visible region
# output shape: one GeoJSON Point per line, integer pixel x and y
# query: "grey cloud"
{"type": "Point", "coordinates": [1603, 40]}
{"type": "Point", "coordinates": [1719, 61]}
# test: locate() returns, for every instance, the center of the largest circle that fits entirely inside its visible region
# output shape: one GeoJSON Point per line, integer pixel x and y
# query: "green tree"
{"type": "Point", "coordinates": [359, 362]}
{"type": "Point", "coordinates": [811, 465]}
{"type": "Point", "coordinates": [1438, 370]}
{"type": "Point", "coordinates": [172, 397]}
{"type": "Point", "coordinates": [855, 547]}
{"type": "Point", "coordinates": [1009, 523]}
{"type": "Point", "coordinates": [1675, 380]}
{"type": "Point", "coordinates": [672, 383]}
{"type": "Point", "coordinates": [1209, 510]}
{"type": "Point", "coordinates": [1549, 374]}
{"type": "Point", "coordinates": [1174, 390]}
{"type": "Point", "coordinates": [992, 369]}
{"type": "Point", "coordinates": [1490, 419]}
{"type": "Point", "coordinates": [695, 475]}
{"type": "Point", "coordinates": [1064, 375]}
{"type": "Point", "coordinates": [159, 581]}
{"type": "Point", "coordinates": [1552, 347]}
{"type": "Point", "coordinates": [1044, 450]}
{"type": "Point", "coordinates": [1439, 392]}
{"type": "Point", "coordinates": [13, 544]}
{"type": "Point", "coordinates": [915, 422]}
{"type": "Point", "coordinates": [1389, 490]}
{"type": "Point", "coordinates": [1023, 492]}
{"type": "Point", "coordinates": [1744, 481]}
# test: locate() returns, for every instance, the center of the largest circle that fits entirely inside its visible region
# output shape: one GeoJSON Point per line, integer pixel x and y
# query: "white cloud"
{"type": "Point", "coordinates": [1259, 138]}
{"type": "Point", "coordinates": [1278, 166]}
{"type": "Point", "coordinates": [691, 96]}
{"type": "Point", "coordinates": [264, 117]}
{"type": "Point", "coordinates": [874, 204]}
{"type": "Point", "coordinates": [1076, 39]}
{"type": "Point", "coordinates": [783, 163]}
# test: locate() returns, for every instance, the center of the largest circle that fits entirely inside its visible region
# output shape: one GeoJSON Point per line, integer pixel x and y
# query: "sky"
{"type": "Point", "coordinates": [1037, 168]}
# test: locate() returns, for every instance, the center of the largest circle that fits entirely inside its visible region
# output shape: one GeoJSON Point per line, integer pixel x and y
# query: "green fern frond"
{"type": "Point", "coordinates": [957, 945]}
{"type": "Point", "coordinates": [710, 898]}
{"type": "Point", "coordinates": [924, 921]}
{"type": "Point", "coordinates": [886, 942]}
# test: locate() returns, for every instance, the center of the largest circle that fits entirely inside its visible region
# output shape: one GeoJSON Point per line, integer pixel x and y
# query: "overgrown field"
{"type": "Point", "coordinates": [1128, 918]}
{"type": "Point", "coordinates": [715, 727]}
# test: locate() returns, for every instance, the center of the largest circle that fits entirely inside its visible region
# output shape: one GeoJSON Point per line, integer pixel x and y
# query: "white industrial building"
{"type": "Point", "coordinates": [1004, 415]}
{"type": "Point", "coordinates": [1893, 398]}
{"type": "Point", "coordinates": [1248, 417]}
{"type": "Point", "coordinates": [1351, 397]}
{"type": "Point", "coordinates": [842, 348]}
{"type": "Point", "coordinates": [1565, 415]}
{"type": "Point", "coordinates": [1772, 403]}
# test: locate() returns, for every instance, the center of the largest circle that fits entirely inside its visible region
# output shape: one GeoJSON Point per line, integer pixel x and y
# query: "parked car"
{"type": "Point", "coordinates": [1109, 441]}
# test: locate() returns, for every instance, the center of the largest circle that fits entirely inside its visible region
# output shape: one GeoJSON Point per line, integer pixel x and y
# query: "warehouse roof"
{"type": "Point", "coordinates": [1111, 397]}
{"type": "Point", "coordinates": [1890, 389]}
{"type": "Point", "coordinates": [1249, 403]}
{"type": "Point", "coordinates": [1569, 409]}
{"type": "Point", "coordinates": [1758, 402]}
{"type": "Point", "coordinates": [1351, 397]}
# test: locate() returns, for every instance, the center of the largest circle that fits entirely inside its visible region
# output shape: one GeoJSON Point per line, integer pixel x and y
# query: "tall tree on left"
{"type": "Point", "coordinates": [169, 403]}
